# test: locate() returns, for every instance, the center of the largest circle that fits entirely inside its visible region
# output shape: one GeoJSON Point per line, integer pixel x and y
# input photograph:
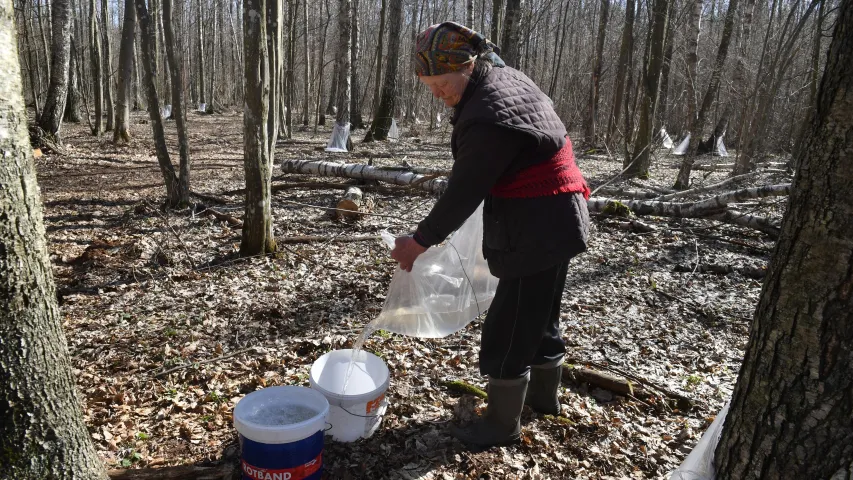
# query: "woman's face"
{"type": "Point", "coordinates": [449, 87]}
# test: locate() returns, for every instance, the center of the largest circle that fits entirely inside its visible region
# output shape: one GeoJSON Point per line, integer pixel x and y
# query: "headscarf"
{"type": "Point", "coordinates": [449, 47]}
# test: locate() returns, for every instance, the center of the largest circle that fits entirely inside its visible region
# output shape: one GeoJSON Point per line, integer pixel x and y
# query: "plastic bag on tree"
{"type": "Point", "coordinates": [699, 465]}
{"type": "Point", "coordinates": [166, 111]}
{"type": "Point", "coordinates": [338, 142]}
{"type": "Point", "coordinates": [721, 148]}
{"type": "Point", "coordinates": [681, 149]}
{"type": "Point", "coordinates": [666, 141]}
{"type": "Point", "coordinates": [202, 108]}
{"type": "Point", "coordinates": [449, 286]}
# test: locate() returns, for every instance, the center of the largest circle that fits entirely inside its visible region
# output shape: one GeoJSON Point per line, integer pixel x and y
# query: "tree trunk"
{"type": "Point", "coordinates": [137, 84]}
{"type": "Point", "coordinates": [792, 404]}
{"type": "Point", "coordinates": [592, 107]}
{"type": "Point", "coordinates": [32, 67]}
{"type": "Point", "coordinates": [106, 66]}
{"type": "Point", "coordinates": [125, 72]}
{"type": "Point", "coordinates": [293, 14]}
{"type": "Point", "coordinates": [813, 84]}
{"type": "Point", "coordinates": [469, 13]}
{"type": "Point", "coordinates": [345, 63]}
{"type": "Point", "coordinates": [199, 21]}
{"type": "Point", "coordinates": [377, 91]}
{"type": "Point", "coordinates": [510, 37]}
{"type": "Point", "coordinates": [694, 29]}
{"type": "Point", "coordinates": [306, 74]}
{"type": "Point", "coordinates": [355, 103]}
{"type": "Point", "coordinates": [349, 204]}
{"type": "Point", "coordinates": [213, 60]}
{"type": "Point", "coordinates": [177, 194]}
{"type": "Point", "coordinates": [72, 105]}
{"type": "Point", "coordinates": [257, 237]}
{"type": "Point", "coordinates": [625, 49]}
{"type": "Point", "coordinates": [384, 115]}
{"type": "Point", "coordinates": [497, 7]}
{"type": "Point", "coordinates": [42, 434]}
{"type": "Point", "coordinates": [57, 93]}
{"type": "Point", "coordinates": [96, 60]}
{"type": "Point", "coordinates": [696, 129]}
{"type": "Point", "coordinates": [641, 162]}
{"type": "Point", "coordinates": [42, 31]}
{"type": "Point", "coordinates": [179, 108]}
{"type": "Point", "coordinates": [662, 111]}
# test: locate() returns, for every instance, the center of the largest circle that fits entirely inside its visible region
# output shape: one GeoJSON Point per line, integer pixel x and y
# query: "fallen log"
{"type": "Point", "coordinates": [626, 193]}
{"type": "Point", "coordinates": [621, 385]}
{"type": "Point", "coordinates": [728, 166]}
{"type": "Point", "coordinates": [233, 222]}
{"type": "Point", "coordinates": [762, 224]}
{"type": "Point", "coordinates": [364, 172]}
{"type": "Point", "coordinates": [225, 471]}
{"type": "Point", "coordinates": [325, 238]}
{"type": "Point", "coordinates": [349, 204]}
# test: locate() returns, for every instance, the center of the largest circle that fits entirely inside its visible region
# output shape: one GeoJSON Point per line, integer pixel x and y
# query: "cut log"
{"type": "Point", "coordinates": [364, 172]}
{"type": "Point", "coordinates": [349, 204]}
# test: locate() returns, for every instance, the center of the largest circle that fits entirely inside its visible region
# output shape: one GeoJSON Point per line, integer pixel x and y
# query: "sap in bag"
{"type": "Point", "coordinates": [448, 287]}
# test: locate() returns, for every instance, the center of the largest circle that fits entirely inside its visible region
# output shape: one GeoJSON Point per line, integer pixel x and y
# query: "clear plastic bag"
{"type": "Point", "coordinates": [338, 142]}
{"type": "Point", "coordinates": [699, 465]}
{"type": "Point", "coordinates": [448, 287]}
{"type": "Point", "coordinates": [394, 131]}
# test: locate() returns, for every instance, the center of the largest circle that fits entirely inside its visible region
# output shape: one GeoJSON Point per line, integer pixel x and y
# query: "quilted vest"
{"type": "Point", "coordinates": [508, 98]}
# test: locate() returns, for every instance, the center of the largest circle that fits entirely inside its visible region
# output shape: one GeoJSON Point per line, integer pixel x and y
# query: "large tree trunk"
{"type": "Point", "coordinates": [96, 60]}
{"type": "Point", "coordinates": [377, 90]}
{"type": "Point", "coordinates": [682, 181]}
{"type": "Point", "coordinates": [595, 80]}
{"type": "Point", "coordinates": [106, 65]}
{"type": "Point", "coordinates": [179, 109]}
{"type": "Point", "coordinates": [510, 37]}
{"type": "Point", "coordinates": [177, 194]}
{"type": "Point", "coordinates": [639, 165]}
{"type": "Point", "coordinates": [57, 93]}
{"type": "Point", "coordinates": [497, 7]}
{"type": "Point", "coordinates": [625, 49]}
{"type": "Point", "coordinates": [345, 62]}
{"type": "Point", "coordinates": [306, 74]}
{"type": "Point", "coordinates": [42, 434]}
{"type": "Point", "coordinates": [385, 113]}
{"type": "Point", "coordinates": [257, 222]}
{"type": "Point", "coordinates": [125, 72]}
{"type": "Point", "coordinates": [694, 29]}
{"type": "Point", "coordinates": [72, 105]}
{"type": "Point", "coordinates": [213, 60]}
{"type": "Point", "coordinates": [790, 414]}
{"type": "Point", "coordinates": [355, 99]}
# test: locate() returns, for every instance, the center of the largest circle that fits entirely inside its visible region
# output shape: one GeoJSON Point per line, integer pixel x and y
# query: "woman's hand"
{"type": "Point", "coordinates": [406, 251]}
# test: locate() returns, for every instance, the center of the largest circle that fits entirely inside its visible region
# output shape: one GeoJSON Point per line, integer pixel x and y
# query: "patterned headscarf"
{"type": "Point", "coordinates": [449, 47]}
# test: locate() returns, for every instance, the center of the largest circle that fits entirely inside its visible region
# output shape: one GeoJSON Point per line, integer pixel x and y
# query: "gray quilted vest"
{"type": "Point", "coordinates": [508, 98]}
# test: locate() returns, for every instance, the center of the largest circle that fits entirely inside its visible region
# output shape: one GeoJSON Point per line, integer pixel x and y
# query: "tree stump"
{"type": "Point", "coordinates": [349, 204]}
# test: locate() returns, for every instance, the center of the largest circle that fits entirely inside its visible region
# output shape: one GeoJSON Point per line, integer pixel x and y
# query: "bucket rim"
{"type": "Point", "coordinates": [240, 422]}
{"type": "Point", "coordinates": [353, 399]}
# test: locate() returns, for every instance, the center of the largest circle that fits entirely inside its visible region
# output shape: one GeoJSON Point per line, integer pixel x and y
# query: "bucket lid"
{"type": "Point", "coordinates": [281, 395]}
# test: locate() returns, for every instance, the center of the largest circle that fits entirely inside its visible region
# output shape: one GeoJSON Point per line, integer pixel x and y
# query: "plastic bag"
{"type": "Point", "coordinates": [449, 286]}
{"type": "Point", "coordinates": [338, 142]}
{"type": "Point", "coordinates": [699, 465]}
{"type": "Point", "coordinates": [681, 149]}
{"type": "Point", "coordinates": [666, 141]}
{"type": "Point", "coordinates": [394, 131]}
{"type": "Point", "coordinates": [166, 111]}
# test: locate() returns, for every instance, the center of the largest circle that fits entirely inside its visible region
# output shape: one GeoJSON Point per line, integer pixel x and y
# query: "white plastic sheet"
{"type": "Point", "coordinates": [448, 287]}
{"type": "Point", "coordinates": [338, 142]}
{"type": "Point", "coordinates": [681, 149]}
{"type": "Point", "coordinates": [166, 111]}
{"type": "Point", "coordinates": [721, 148]}
{"type": "Point", "coordinates": [699, 465]}
{"type": "Point", "coordinates": [666, 142]}
{"type": "Point", "coordinates": [202, 107]}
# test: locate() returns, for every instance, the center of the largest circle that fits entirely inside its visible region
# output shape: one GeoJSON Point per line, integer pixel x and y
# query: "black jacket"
{"type": "Point", "coordinates": [503, 124]}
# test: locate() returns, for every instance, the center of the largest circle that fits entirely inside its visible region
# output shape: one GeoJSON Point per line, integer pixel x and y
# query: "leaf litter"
{"type": "Point", "coordinates": [168, 327]}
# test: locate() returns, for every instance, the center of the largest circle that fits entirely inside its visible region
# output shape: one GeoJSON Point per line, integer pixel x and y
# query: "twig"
{"type": "Point", "coordinates": [209, 360]}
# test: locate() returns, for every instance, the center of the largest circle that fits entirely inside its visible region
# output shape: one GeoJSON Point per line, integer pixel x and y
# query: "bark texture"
{"type": "Point", "coordinates": [625, 48]}
{"type": "Point", "coordinates": [106, 65]}
{"type": "Point", "coordinates": [179, 108]}
{"type": "Point", "coordinates": [72, 105]}
{"type": "Point", "coordinates": [344, 62]}
{"type": "Point", "coordinates": [790, 415]}
{"type": "Point", "coordinates": [57, 92]}
{"type": "Point", "coordinates": [381, 124]}
{"type": "Point", "coordinates": [97, 71]}
{"type": "Point", "coordinates": [42, 434]}
{"type": "Point", "coordinates": [595, 81]}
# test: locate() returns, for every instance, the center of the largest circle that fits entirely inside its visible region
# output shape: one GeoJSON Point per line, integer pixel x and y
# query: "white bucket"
{"type": "Point", "coordinates": [273, 447]}
{"type": "Point", "coordinates": [357, 412]}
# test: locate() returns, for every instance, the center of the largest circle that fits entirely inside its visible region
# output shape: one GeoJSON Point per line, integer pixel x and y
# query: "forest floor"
{"type": "Point", "coordinates": [144, 291]}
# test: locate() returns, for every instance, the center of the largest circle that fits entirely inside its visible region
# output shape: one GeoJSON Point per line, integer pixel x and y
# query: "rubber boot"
{"type": "Point", "coordinates": [543, 388]}
{"type": "Point", "coordinates": [501, 424]}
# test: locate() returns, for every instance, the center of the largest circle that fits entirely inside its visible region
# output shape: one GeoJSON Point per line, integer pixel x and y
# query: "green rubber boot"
{"type": "Point", "coordinates": [543, 388]}
{"type": "Point", "coordinates": [501, 424]}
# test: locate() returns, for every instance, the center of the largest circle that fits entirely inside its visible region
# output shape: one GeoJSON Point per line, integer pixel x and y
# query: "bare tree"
{"type": "Point", "coordinates": [257, 161]}
{"type": "Point", "coordinates": [355, 100]}
{"type": "Point", "coordinates": [344, 63]}
{"type": "Point", "coordinates": [179, 108]}
{"type": "Point", "coordinates": [106, 65]}
{"type": "Point", "coordinates": [125, 74]}
{"type": "Point", "coordinates": [57, 93]}
{"type": "Point", "coordinates": [177, 192]}
{"type": "Point", "coordinates": [592, 108]}
{"type": "Point", "coordinates": [693, 31]}
{"type": "Point", "coordinates": [97, 68]}
{"type": "Point", "coordinates": [625, 49]}
{"type": "Point", "coordinates": [199, 22]}
{"type": "Point", "coordinates": [42, 433]}
{"type": "Point", "coordinates": [72, 105]}
{"type": "Point", "coordinates": [511, 33]}
{"type": "Point", "coordinates": [791, 408]}
{"type": "Point", "coordinates": [384, 114]}
{"type": "Point", "coordinates": [306, 74]}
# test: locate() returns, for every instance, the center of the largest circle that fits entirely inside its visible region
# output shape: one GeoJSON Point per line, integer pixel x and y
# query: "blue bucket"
{"type": "Point", "coordinates": [281, 433]}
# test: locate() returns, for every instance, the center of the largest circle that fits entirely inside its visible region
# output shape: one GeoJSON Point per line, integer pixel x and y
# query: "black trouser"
{"type": "Point", "coordinates": [522, 328]}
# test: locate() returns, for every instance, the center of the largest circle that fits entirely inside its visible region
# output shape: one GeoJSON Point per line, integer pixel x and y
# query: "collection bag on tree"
{"type": "Point", "coordinates": [448, 287]}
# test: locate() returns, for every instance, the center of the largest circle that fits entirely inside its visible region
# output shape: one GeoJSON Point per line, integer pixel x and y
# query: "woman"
{"type": "Point", "coordinates": [510, 151]}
